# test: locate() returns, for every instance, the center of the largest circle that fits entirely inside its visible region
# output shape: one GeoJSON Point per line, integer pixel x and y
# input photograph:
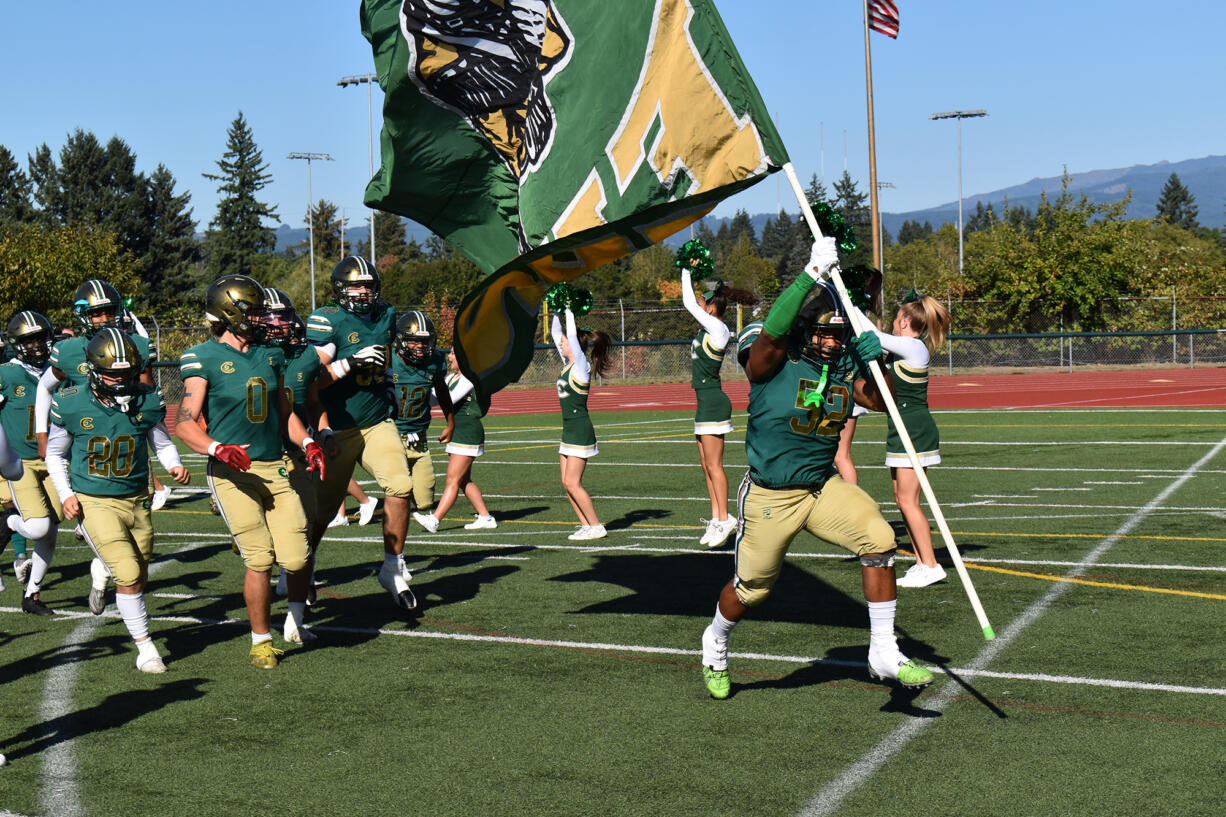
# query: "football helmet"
{"type": "Point", "coordinates": [30, 335]}
{"type": "Point", "coordinates": [354, 270]}
{"type": "Point", "coordinates": [823, 313]}
{"type": "Point", "coordinates": [97, 305]}
{"type": "Point", "coordinates": [114, 365]}
{"type": "Point", "coordinates": [415, 337]}
{"type": "Point", "coordinates": [237, 302]}
{"type": "Point", "coordinates": [280, 323]}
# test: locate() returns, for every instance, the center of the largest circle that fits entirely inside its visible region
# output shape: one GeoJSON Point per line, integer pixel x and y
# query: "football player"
{"type": "Point", "coordinates": [419, 370]}
{"type": "Point", "coordinates": [804, 375]}
{"type": "Point", "coordinates": [238, 387]}
{"type": "Point", "coordinates": [352, 336]}
{"type": "Point", "coordinates": [96, 305]}
{"type": "Point", "coordinates": [11, 467]}
{"type": "Point", "coordinates": [105, 431]}
{"type": "Point", "coordinates": [37, 511]}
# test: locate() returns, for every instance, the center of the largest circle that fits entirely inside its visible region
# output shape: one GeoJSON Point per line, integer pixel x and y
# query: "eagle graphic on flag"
{"type": "Point", "coordinates": [544, 138]}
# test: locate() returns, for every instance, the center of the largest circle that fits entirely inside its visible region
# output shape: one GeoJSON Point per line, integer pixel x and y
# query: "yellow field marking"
{"type": "Point", "coordinates": [1091, 583]}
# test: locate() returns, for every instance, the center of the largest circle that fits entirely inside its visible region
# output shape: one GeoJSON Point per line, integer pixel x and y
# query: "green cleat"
{"type": "Point", "coordinates": [906, 672]}
{"type": "Point", "coordinates": [718, 683]}
{"type": "Point", "coordinates": [264, 655]}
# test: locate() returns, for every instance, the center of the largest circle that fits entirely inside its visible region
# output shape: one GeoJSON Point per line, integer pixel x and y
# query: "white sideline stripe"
{"type": "Point", "coordinates": [838, 789]}
{"type": "Point", "coordinates": [646, 649]}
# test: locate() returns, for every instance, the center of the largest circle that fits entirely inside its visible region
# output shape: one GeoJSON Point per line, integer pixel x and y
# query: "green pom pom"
{"type": "Point", "coordinates": [696, 258]}
{"type": "Point", "coordinates": [580, 301]}
{"type": "Point", "coordinates": [832, 225]}
{"type": "Point", "coordinates": [557, 296]}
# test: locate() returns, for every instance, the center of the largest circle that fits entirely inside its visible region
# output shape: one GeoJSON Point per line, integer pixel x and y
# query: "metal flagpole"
{"type": "Point", "coordinates": [892, 409]}
{"type": "Point", "coordinates": [875, 214]}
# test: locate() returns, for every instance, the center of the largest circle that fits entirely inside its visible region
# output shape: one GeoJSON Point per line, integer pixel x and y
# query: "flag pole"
{"type": "Point", "coordinates": [875, 214]}
{"type": "Point", "coordinates": [892, 410]}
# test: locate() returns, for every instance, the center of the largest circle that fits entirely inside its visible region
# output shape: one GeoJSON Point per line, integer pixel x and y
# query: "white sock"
{"type": "Point", "coordinates": [881, 624]}
{"type": "Point", "coordinates": [147, 649]}
{"type": "Point", "coordinates": [259, 638]}
{"type": "Point", "coordinates": [392, 560]}
{"type": "Point", "coordinates": [297, 609]}
{"type": "Point", "coordinates": [131, 608]}
{"type": "Point", "coordinates": [721, 626]}
{"type": "Point", "coordinates": [44, 551]}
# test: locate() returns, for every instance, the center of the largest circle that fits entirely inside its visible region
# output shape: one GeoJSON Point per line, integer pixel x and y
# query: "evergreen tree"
{"type": "Point", "coordinates": [389, 236]}
{"type": "Point", "coordinates": [741, 224]}
{"type": "Point", "coordinates": [16, 207]}
{"type": "Point", "coordinates": [982, 219]}
{"type": "Point", "coordinates": [237, 233]}
{"type": "Point", "coordinates": [1177, 205]}
{"type": "Point", "coordinates": [165, 270]}
{"type": "Point", "coordinates": [324, 225]}
{"type": "Point", "coordinates": [702, 232]}
{"type": "Point", "coordinates": [913, 231]}
{"type": "Point", "coordinates": [852, 205]}
{"type": "Point", "coordinates": [776, 238]}
{"type": "Point", "coordinates": [816, 191]}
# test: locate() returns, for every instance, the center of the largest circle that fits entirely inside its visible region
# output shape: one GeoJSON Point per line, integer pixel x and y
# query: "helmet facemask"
{"type": "Point", "coordinates": [415, 338]}
{"type": "Point", "coordinates": [30, 336]}
{"type": "Point", "coordinates": [114, 366]}
{"type": "Point", "coordinates": [820, 320]}
{"type": "Point", "coordinates": [355, 285]}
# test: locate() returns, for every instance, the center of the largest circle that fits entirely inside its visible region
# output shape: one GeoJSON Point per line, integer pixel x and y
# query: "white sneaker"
{"type": "Point", "coordinates": [98, 575]}
{"type": "Point", "coordinates": [589, 532]}
{"type": "Point", "coordinates": [366, 511]}
{"type": "Point", "coordinates": [705, 541]}
{"type": "Point", "coordinates": [159, 498]}
{"type": "Point", "coordinates": [580, 533]}
{"type": "Point", "coordinates": [339, 521]}
{"type": "Point", "coordinates": [482, 523]}
{"type": "Point", "coordinates": [714, 650]}
{"type": "Point", "coordinates": [394, 583]}
{"type": "Point", "coordinates": [148, 660]}
{"type": "Point", "coordinates": [920, 575]}
{"type": "Point", "coordinates": [295, 634]}
{"type": "Point", "coordinates": [722, 530]}
{"type": "Point", "coordinates": [426, 520]}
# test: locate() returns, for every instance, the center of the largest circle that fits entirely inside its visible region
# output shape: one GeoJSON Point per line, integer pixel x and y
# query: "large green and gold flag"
{"type": "Point", "coordinates": [544, 138]}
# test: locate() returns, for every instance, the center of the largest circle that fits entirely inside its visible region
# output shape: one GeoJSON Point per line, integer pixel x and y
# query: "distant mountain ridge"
{"type": "Point", "coordinates": [1205, 178]}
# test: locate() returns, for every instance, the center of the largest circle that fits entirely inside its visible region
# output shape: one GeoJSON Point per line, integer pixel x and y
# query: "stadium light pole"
{"type": "Point", "coordinates": [310, 157]}
{"type": "Point", "coordinates": [959, 115]}
{"type": "Point", "coordinates": [369, 79]}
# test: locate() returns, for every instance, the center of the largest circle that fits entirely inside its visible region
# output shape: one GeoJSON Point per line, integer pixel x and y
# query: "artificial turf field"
{"type": "Point", "coordinates": [545, 676]}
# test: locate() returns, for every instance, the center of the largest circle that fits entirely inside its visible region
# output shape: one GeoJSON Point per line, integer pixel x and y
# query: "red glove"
{"type": "Point", "coordinates": [234, 456]}
{"type": "Point", "coordinates": [315, 458]}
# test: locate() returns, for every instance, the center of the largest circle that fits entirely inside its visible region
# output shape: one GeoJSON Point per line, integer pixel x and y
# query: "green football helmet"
{"type": "Point", "coordinates": [30, 335]}
{"type": "Point", "coordinates": [237, 302]}
{"type": "Point", "coordinates": [281, 324]}
{"type": "Point", "coordinates": [415, 337]}
{"type": "Point", "coordinates": [97, 305]}
{"type": "Point", "coordinates": [352, 271]}
{"type": "Point", "coordinates": [114, 365]}
{"type": "Point", "coordinates": [823, 313]}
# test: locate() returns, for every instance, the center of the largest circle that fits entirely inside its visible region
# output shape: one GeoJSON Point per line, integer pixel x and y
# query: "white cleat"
{"type": "Point", "coordinates": [394, 583]}
{"type": "Point", "coordinates": [160, 497]}
{"type": "Point", "coordinates": [295, 634]}
{"type": "Point", "coordinates": [920, 575]}
{"type": "Point", "coordinates": [482, 523]}
{"type": "Point", "coordinates": [366, 510]}
{"type": "Point", "coordinates": [427, 521]}
{"type": "Point", "coordinates": [21, 568]}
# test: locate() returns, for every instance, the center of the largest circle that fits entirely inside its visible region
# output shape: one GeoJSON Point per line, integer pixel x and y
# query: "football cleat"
{"type": "Point", "coordinates": [97, 600]}
{"type": "Point", "coordinates": [33, 604]}
{"type": "Point", "coordinates": [719, 685]}
{"type": "Point", "coordinates": [21, 568]}
{"type": "Point", "coordinates": [481, 523]}
{"type": "Point", "coordinates": [160, 497]}
{"type": "Point", "coordinates": [427, 520]}
{"type": "Point", "coordinates": [366, 511]}
{"type": "Point", "coordinates": [897, 667]}
{"type": "Point", "coordinates": [393, 582]}
{"type": "Point", "coordinates": [295, 634]}
{"type": "Point", "coordinates": [714, 650]}
{"type": "Point", "coordinates": [920, 575]}
{"type": "Point", "coordinates": [264, 655]}
{"type": "Point", "coordinates": [148, 660]}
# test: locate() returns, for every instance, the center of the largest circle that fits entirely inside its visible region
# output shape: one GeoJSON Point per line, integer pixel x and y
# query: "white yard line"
{"type": "Point", "coordinates": [854, 776]}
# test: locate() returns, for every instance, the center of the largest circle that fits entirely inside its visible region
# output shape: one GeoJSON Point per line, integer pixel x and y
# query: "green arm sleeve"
{"type": "Point", "coordinates": [787, 306]}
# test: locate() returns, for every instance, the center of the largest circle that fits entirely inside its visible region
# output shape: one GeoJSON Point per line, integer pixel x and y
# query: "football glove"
{"type": "Point", "coordinates": [823, 258]}
{"type": "Point", "coordinates": [372, 357]}
{"type": "Point", "coordinates": [867, 346]}
{"type": "Point", "coordinates": [315, 458]}
{"type": "Point", "coordinates": [234, 456]}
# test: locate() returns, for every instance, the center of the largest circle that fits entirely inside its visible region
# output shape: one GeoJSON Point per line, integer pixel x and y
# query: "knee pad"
{"type": "Point", "coordinates": [295, 564]}
{"type": "Point", "coordinates": [878, 559]}
{"type": "Point", "coordinates": [127, 573]}
{"type": "Point", "coordinates": [399, 486]}
{"type": "Point", "coordinates": [752, 593]}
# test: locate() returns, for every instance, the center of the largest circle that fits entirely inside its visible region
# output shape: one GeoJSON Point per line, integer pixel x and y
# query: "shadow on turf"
{"type": "Point", "coordinates": [118, 710]}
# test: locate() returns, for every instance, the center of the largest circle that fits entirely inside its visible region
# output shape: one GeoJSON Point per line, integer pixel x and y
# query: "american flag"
{"type": "Point", "coordinates": [883, 17]}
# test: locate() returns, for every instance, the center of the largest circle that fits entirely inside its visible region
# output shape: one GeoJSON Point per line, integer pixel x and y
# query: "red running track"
{"type": "Point", "coordinates": [1126, 388]}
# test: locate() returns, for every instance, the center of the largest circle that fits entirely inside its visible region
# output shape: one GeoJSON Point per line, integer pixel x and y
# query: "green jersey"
{"type": "Point", "coordinates": [302, 368]}
{"type": "Point", "coordinates": [241, 403]}
{"type": "Point", "coordinates": [19, 387]}
{"type": "Point", "coordinates": [361, 398]}
{"type": "Point", "coordinates": [795, 420]}
{"type": "Point", "coordinates": [110, 448]}
{"type": "Point", "coordinates": [705, 361]}
{"type": "Point", "coordinates": [68, 356]}
{"type": "Point", "coordinates": [413, 386]}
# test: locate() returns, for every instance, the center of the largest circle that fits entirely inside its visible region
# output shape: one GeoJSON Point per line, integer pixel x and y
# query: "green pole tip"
{"type": "Point", "coordinates": [989, 633]}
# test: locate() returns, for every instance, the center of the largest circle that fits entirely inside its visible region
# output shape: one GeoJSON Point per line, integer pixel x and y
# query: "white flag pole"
{"type": "Point", "coordinates": [892, 408]}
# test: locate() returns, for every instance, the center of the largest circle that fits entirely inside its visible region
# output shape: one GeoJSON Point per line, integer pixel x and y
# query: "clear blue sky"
{"type": "Point", "coordinates": [1089, 84]}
